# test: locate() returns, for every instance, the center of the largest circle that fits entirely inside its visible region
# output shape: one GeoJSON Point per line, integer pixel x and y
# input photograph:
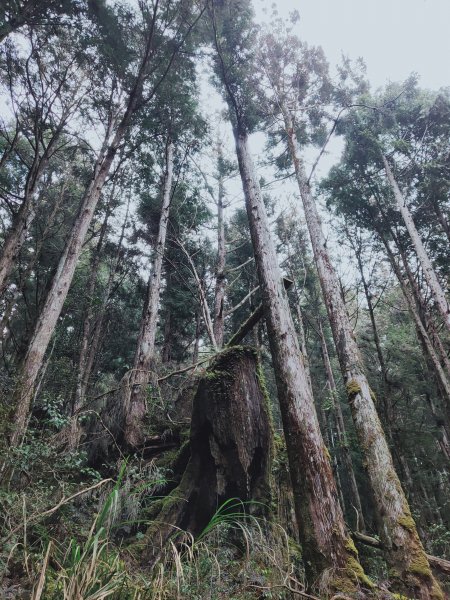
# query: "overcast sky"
{"type": "Point", "coordinates": [394, 37]}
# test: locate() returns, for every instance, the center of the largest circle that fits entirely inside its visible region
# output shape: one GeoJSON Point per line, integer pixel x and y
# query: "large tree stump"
{"type": "Point", "coordinates": [230, 450]}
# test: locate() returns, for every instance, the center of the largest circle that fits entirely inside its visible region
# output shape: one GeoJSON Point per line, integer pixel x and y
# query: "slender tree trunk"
{"type": "Point", "coordinates": [302, 336]}
{"type": "Point", "coordinates": [89, 313]}
{"type": "Point", "coordinates": [386, 387]}
{"type": "Point", "coordinates": [85, 345]}
{"type": "Point", "coordinates": [322, 529]}
{"type": "Point", "coordinates": [51, 311]}
{"type": "Point", "coordinates": [166, 353]}
{"type": "Point", "coordinates": [16, 238]}
{"type": "Point", "coordinates": [27, 211]}
{"type": "Point", "coordinates": [219, 298]}
{"type": "Point", "coordinates": [344, 449]}
{"type": "Point", "coordinates": [136, 388]}
{"type": "Point", "coordinates": [438, 352]}
{"type": "Point", "coordinates": [9, 307]}
{"type": "Point", "coordinates": [197, 336]}
{"type": "Point", "coordinates": [444, 442]}
{"type": "Point", "coordinates": [443, 219]}
{"type": "Point", "coordinates": [428, 270]}
{"type": "Point", "coordinates": [202, 297]}
{"type": "Point", "coordinates": [404, 551]}
{"type": "Point", "coordinates": [422, 333]}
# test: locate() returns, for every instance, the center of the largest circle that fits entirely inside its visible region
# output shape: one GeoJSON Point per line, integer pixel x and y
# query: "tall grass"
{"type": "Point", "coordinates": [89, 570]}
{"type": "Point", "coordinates": [236, 556]}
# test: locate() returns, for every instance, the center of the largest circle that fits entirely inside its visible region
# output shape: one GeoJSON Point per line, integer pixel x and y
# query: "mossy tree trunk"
{"type": "Point", "coordinates": [344, 448]}
{"type": "Point", "coordinates": [230, 451]}
{"type": "Point", "coordinates": [410, 570]}
{"type": "Point", "coordinates": [319, 515]}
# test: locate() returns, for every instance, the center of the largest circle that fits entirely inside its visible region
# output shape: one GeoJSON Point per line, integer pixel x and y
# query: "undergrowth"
{"type": "Point", "coordinates": [58, 554]}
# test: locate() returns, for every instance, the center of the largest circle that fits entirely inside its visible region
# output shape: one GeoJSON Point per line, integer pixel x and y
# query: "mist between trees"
{"type": "Point", "coordinates": [195, 402]}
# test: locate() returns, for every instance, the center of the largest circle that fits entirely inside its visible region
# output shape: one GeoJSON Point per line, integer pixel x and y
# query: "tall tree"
{"type": "Point", "coordinates": [51, 99]}
{"type": "Point", "coordinates": [322, 528]}
{"type": "Point", "coordinates": [422, 255]}
{"type": "Point", "coordinates": [404, 551]}
{"type": "Point", "coordinates": [155, 62]}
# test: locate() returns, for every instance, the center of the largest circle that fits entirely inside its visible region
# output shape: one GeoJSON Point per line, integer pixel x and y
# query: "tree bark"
{"type": "Point", "coordinates": [428, 269]}
{"type": "Point", "coordinates": [135, 388]}
{"type": "Point", "coordinates": [429, 350]}
{"type": "Point", "coordinates": [199, 282]}
{"type": "Point", "coordinates": [51, 311]}
{"type": "Point", "coordinates": [92, 327]}
{"type": "Point", "coordinates": [89, 313]}
{"type": "Point", "coordinates": [25, 215]}
{"type": "Point", "coordinates": [230, 452]}
{"type": "Point", "coordinates": [9, 307]}
{"type": "Point", "coordinates": [219, 297]}
{"type": "Point", "coordinates": [344, 449]}
{"type": "Point", "coordinates": [404, 552]}
{"type": "Point", "coordinates": [322, 529]}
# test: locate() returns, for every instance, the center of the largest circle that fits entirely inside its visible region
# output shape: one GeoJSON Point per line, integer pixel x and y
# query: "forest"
{"type": "Point", "coordinates": [224, 368]}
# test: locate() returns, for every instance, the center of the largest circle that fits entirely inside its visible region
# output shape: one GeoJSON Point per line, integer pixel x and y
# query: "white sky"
{"type": "Point", "coordinates": [394, 37]}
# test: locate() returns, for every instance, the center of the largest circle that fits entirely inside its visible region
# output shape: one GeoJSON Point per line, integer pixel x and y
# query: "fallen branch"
{"type": "Point", "coordinates": [50, 511]}
{"type": "Point", "coordinates": [252, 320]}
{"type": "Point", "coordinates": [439, 564]}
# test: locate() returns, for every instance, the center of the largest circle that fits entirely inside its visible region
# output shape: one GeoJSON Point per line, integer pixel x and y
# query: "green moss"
{"type": "Point", "coordinates": [420, 566]}
{"type": "Point", "coordinates": [212, 375]}
{"type": "Point", "coordinates": [353, 388]}
{"type": "Point", "coordinates": [352, 575]}
{"type": "Point", "coordinates": [350, 546]}
{"type": "Point", "coordinates": [356, 570]}
{"type": "Point", "coordinates": [436, 593]}
{"type": "Point", "coordinates": [407, 522]}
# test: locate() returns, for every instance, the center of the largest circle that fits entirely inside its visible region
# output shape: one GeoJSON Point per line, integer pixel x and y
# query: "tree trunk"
{"type": "Point", "coordinates": [199, 282]}
{"type": "Point", "coordinates": [51, 311]}
{"type": "Point", "coordinates": [344, 449]}
{"type": "Point", "coordinates": [92, 326]}
{"type": "Point", "coordinates": [9, 307]}
{"type": "Point", "coordinates": [428, 270]}
{"type": "Point", "coordinates": [135, 390]}
{"type": "Point", "coordinates": [219, 298]}
{"type": "Point", "coordinates": [322, 529]}
{"type": "Point", "coordinates": [15, 239]}
{"type": "Point", "coordinates": [89, 315]}
{"type": "Point", "coordinates": [27, 211]}
{"type": "Point", "coordinates": [198, 333]}
{"type": "Point", "coordinates": [230, 452]}
{"type": "Point", "coordinates": [429, 350]}
{"type": "Point", "coordinates": [404, 551]}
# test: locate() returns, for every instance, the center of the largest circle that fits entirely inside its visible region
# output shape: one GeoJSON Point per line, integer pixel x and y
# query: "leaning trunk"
{"type": "Point", "coordinates": [404, 552]}
{"type": "Point", "coordinates": [51, 311]}
{"type": "Point", "coordinates": [322, 529]}
{"type": "Point", "coordinates": [429, 350]}
{"type": "Point", "coordinates": [428, 270]}
{"type": "Point", "coordinates": [344, 448]}
{"type": "Point", "coordinates": [27, 212]}
{"type": "Point", "coordinates": [219, 298]}
{"type": "Point", "coordinates": [135, 385]}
